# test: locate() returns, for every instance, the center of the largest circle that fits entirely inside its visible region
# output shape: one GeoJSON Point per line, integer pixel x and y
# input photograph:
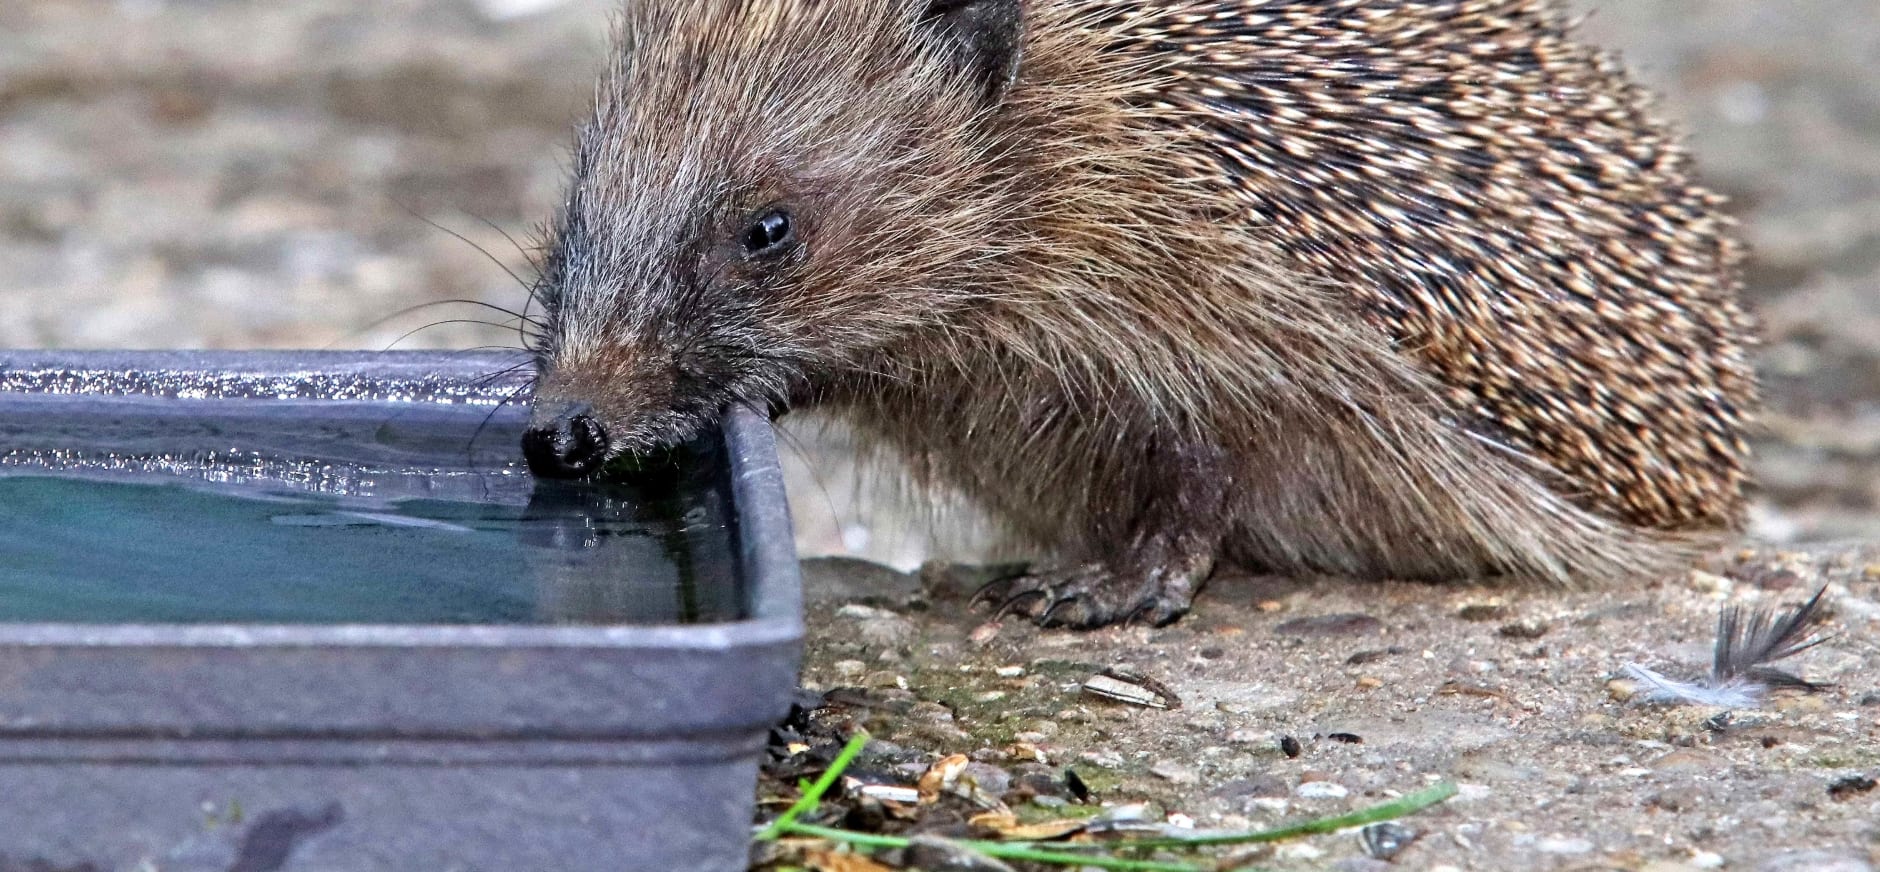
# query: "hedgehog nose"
{"type": "Point", "coordinates": [569, 445]}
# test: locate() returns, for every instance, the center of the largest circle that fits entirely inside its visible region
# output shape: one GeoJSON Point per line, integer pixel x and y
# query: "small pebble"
{"type": "Point", "coordinates": [935, 853]}
{"type": "Point", "coordinates": [1133, 812]}
{"type": "Point", "coordinates": [1523, 630]}
{"type": "Point", "coordinates": [1300, 851]}
{"type": "Point", "coordinates": [1350, 624]}
{"type": "Point", "coordinates": [1360, 864]}
{"type": "Point", "coordinates": [1175, 773]}
{"type": "Point", "coordinates": [885, 680]}
{"type": "Point", "coordinates": [1847, 788]}
{"type": "Point", "coordinates": [1386, 839]}
{"type": "Point", "coordinates": [1710, 582]}
{"type": "Point", "coordinates": [1685, 760]}
{"type": "Point", "coordinates": [1468, 792]}
{"type": "Point", "coordinates": [1677, 799]}
{"type": "Point", "coordinates": [1102, 759]}
{"type": "Point", "coordinates": [1814, 861]}
{"type": "Point", "coordinates": [1484, 612]}
{"type": "Point", "coordinates": [878, 628]}
{"type": "Point", "coordinates": [1027, 752]}
{"type": "Point", "coordinates": [1202, 724]}
{"type": "Point", "coordinates": [1321, 790]}
{"type": "Point", "coordinates": [1563, 845]}
{"type": "Point", "coordinates": [1245, 856]}
{"type": "Point", "coordinates": [1667, 866]}
{"type": "Point", "coordinates": [986, 780]}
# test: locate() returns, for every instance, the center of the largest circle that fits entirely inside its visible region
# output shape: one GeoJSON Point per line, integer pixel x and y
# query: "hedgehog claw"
{"type": "Point", "coordinates": [1018, 603]}
{"type": "Point", "coordinates": [995, 593]}
{"type": "Point", "coordinates": [1049, 618]}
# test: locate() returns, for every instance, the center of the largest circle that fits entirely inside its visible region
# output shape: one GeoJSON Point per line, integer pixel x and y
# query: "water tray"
{"type": "Point", "coordinates": [429, 662]}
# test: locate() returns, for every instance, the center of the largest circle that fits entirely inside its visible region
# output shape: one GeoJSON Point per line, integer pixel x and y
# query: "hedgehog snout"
{"type": "Point", "coordinates": [568, 444]}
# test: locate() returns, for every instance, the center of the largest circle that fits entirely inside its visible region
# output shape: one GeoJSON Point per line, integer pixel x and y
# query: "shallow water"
{"type": "Point", "coordinates": [79, 550]}
{"type": "Point", "coordinates": [386, 489]}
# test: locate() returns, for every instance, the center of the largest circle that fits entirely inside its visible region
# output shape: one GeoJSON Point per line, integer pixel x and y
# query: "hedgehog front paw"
{"type": "Point", "coordinates": [1091, 595]}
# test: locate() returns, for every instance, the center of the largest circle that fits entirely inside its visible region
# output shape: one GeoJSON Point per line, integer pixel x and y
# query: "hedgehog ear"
{"type": "Point", "coordinates": [984, 37]}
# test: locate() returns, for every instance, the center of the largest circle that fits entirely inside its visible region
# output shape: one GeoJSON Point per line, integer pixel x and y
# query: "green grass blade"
{"type": "Point", "coordinates": [1409, 803]}
{"type": "Point", "coordinates": [813, 796]}
{"type": "Point", "coordinates": [1003, 851]}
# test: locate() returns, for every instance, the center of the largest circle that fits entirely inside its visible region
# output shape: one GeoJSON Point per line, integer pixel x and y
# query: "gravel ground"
{"type": "Point", "coordinates": [215, 173]}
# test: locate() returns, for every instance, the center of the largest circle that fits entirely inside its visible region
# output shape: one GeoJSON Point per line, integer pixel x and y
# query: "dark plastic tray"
{"type": "Point", "coordinates": [356, 748]}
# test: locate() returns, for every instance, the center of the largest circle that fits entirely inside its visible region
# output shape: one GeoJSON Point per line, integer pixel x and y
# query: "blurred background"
{"type": "Point", "coordinates": [240, 174]}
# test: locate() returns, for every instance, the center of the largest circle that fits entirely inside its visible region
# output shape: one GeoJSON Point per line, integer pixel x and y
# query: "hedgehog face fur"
{"type": "Point", "coordinates": [752, 167]}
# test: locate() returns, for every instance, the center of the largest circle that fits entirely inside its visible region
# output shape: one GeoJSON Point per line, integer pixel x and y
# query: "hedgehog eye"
{"type": "Point", "coordinates": [768, 233]}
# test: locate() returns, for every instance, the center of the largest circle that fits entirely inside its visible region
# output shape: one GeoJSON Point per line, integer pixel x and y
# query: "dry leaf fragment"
{"type": "Point", "coordinates": [941, 775]}
{"type": "Point", "coordinates": [842, 861]}
{"type": "Point", "coordinates": [1008, 828]}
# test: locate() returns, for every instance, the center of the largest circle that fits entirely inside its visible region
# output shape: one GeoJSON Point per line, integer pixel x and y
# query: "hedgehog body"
{"type": "Point", "coordinates": [1399, 288]}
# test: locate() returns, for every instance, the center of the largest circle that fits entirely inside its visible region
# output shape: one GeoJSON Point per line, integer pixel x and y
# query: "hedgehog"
{"type": "Point", "coordinates": [1394, 289]}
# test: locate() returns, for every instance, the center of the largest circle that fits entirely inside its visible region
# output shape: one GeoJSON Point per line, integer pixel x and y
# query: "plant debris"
{"type": "Point", "coordinates": [1125, 686]}
{"type": "Point", "coordinates": [1124, 838]}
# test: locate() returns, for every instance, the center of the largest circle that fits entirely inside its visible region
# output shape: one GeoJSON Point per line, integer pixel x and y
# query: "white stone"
{"type": "Point", "coordinates": [1563, 845]}
{"type": "Point", "coordinates": [1321, 790]}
